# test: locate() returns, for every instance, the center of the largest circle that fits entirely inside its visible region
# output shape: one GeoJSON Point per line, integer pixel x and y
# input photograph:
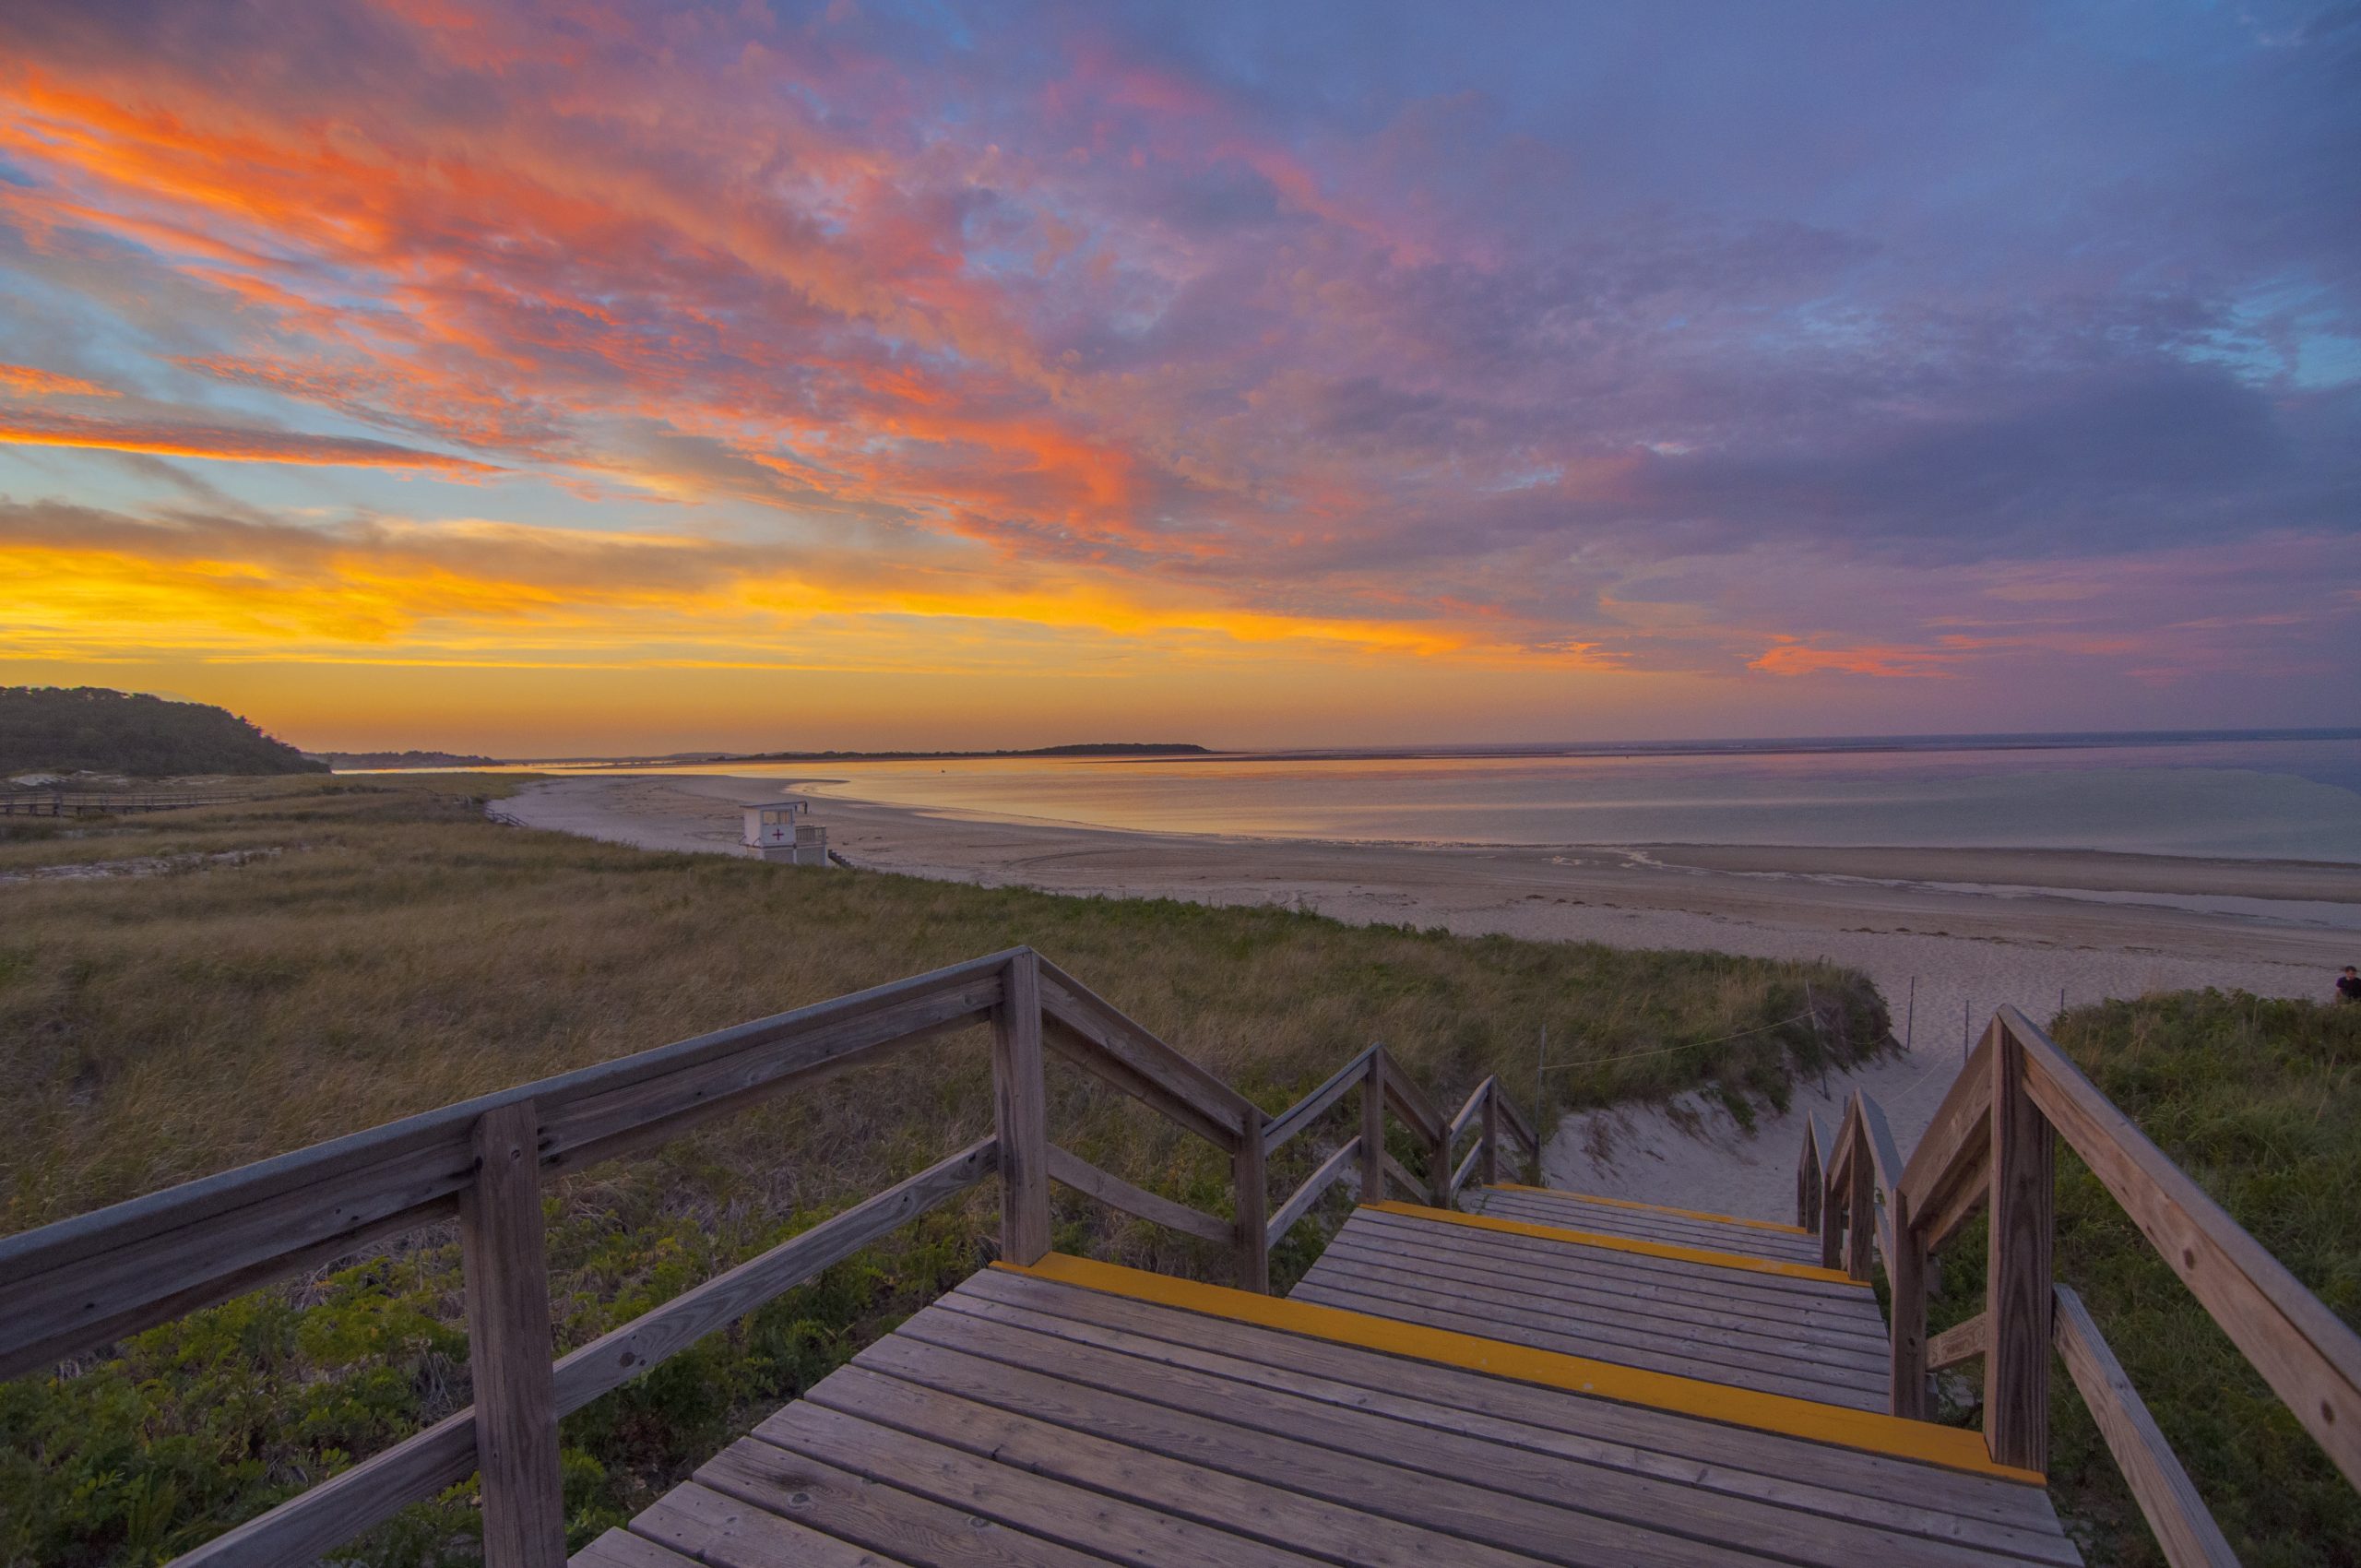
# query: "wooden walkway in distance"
{"type": "Point", "coordinates": [1728, 1312]}
{"type": "Point", "coordinates": [1415, 1402]}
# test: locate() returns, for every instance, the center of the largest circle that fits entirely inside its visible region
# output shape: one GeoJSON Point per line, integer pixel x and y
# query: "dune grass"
{"type": "Point", "coordinates": [2259, 1101]}
{"type": "Point", "coordinates": [400, 952]}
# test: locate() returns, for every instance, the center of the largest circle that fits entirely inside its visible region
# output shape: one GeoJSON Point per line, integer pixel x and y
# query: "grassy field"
{"type": "Point", "coordinates": [350, 951]}
{"type": "Point", "coordinates": [2259, 1101]}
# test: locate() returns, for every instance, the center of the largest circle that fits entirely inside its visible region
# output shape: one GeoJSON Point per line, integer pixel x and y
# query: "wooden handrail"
{"type": "Point", "coordinates": [97, 1277]}
{"type": "Point", "coordinates": [1308, 1110]}
{"type": "Point", "coordinates": [1989, 1144]}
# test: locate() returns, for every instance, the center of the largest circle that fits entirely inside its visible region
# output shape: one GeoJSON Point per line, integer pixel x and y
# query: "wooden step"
{"type": "Point", "coordinates": [1622, 1216]}
{"type": "Point", "coordinates": [1075, 1412]}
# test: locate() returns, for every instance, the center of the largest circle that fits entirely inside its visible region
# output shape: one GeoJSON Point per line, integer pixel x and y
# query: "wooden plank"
{"type": "Point", "coordinates": [1021, 1113]}
{"type": "Point", "coordinates": [1312, 1107]}
{"type": "Point", "coordinates": [623, 1353]}
{"type": "Point", "coordinates": [1466, 1169]}
{"type": "Point", "coordinates": [1860, 1200]}
{"type": "Point", "coordinates": [510, 1341]}
{"type": "Point", "coordinates": [2018, 1298]}
{"type": "Point", "coordinates": [1798, 1322]}
{"type": "Point", "coordinates": [2309, 1357]}
{"type": "Point", "coordinates": [1098, 1020]}
{"type": "Point", "coordinates": [1116, 1192]}
{"type": "Point", "coordinates": [1577, 1431]}
{"type": "Point", "coordinates": [1875, 1431]}
{"type": "Point", "coordinates": [1331, 1171]}
{"type": "Point", "coordinates": [1762, 1293]}
{"type": "Point", "coordinates": [1467, 1114]}
{"type": "Point", "coordinates": [1111, 1524]}
{"type": "Point", "coordinates": [1402, 1177]}
{"type": "Point", "coordinates": [1691, 1359]}
{"type": "Point", "coordinates": [1525, 1133]}
{"type": "Point", "coordinates": [84, 1281]}
{"type": "Point", "coordinates": [1585, 1313]}
{"type": "Point", "coordinates": [1489, 1170]}
{"type": "Point", "coordinates": [1071, 1046]}
{"type": "Point", "coordinates": [872, 1513]}
{"type": "Point", "coordinates": [1656, 1227]}
{"type": "Point", "coordinates": [1524, 1462]}
{"type": "Point", "coordinates": [1955, 1137]}
{"type": "Point", "coordinates": [1674, 1443]}
{"type": "Point", "coordinates": [618, 1549]}
{"type": "Point", "coordinates": [1961, 1342]}
{"type": "Point", "coordinates": [1372, 1139]}
{"type": "Point", "coordinates": [1810, 1173]}
{"type": "Point", "coordinates": [1958, 1200]}
{"type": "Point", "coordinates": [2183, 1526]}
{"type": "Point", "coordinates": [1706, 1257]}
{"type": "Point", "coordinates": [1906, 1269]}
{"type": "Point", "coordinates": [720, 1531]}
{"type": "Point", "coordinates": [1553, 1195]}
{"type": "Point", "coordinates": [1280, 1510]}
{"type": "Point", "coordinates": [307, 1525]}
{"type": "Point", "coordinates": [1410, 1103]}
{"type": "Point", "coordinates": [1314, 1452]}
{"type": "Point", "coordinates": [1250, 1238]}
{"type": "Point", "coordinates": [1884, 1156]}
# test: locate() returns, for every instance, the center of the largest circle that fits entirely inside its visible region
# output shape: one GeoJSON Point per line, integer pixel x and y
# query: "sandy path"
{"type": "Point", "coordinates": [1899, 916]}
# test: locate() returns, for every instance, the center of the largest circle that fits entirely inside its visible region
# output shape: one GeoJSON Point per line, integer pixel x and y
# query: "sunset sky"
{"type": "Point", "coordinates": [602, 376]}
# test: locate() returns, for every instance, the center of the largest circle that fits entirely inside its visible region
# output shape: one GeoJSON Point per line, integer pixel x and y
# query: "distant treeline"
{"type": "Point", "coordinates": [93, 730]}
{"type": "Point", "coordinates": [1093, 748]}
{"type": "Point", "coordinates": [401, 759]}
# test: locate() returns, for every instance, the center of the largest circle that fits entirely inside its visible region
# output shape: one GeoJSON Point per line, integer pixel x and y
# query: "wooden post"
{"type": "Point", "coordinates": [2019, 1301]}
{"type": "Point", "coordinates": [1832, 1217]}
{"type": "Point", "coordinates": [1860, 1207]}
{"type": "Point", "coordinates": [1808, 1177]}
{"type": "Point", "coordinates": [510, 1344]}
{"type": "Point", "coordinates": [1488, 1164]}
{"type": "Point", "coordinates": [1439, 1167]}
{"type": "Point", "coordinates": [1020, 1102]}
{"type": "Point", "coordinates": [1253, 1207]}
{"type": "Point", "coordinates": [1373, 1130]}
{"type": "Point", "coordinates": [1906, 1274]}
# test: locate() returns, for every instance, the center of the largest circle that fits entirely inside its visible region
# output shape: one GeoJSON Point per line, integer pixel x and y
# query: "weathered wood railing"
{"type": "Point", "coordinates": [85, 1282]}
{"type": "Point", "coordinates": [1991, 1147]}
{"type": "Point", "coordinates": [1384, 1088]}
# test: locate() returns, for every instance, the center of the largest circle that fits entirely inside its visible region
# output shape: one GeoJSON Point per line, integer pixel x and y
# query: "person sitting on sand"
{"type": "Point", "coordinates": [2348, 985]}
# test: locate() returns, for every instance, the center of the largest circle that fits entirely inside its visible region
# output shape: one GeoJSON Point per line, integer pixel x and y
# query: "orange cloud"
{"type": "Point", "coordinates": [231, 443]}
{"type": "Point", "coordinates": [29, 381]}
{"type": "Point", "coordinates": [1786, 655]}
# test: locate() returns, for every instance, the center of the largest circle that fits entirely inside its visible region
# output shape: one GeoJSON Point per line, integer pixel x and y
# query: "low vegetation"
{"type": "Point", "coordinates": [400, 952]}
{"type": "Point", "coordinates": [2259, 1101]}
{"type": "Point", "coordinates": [64, 729]}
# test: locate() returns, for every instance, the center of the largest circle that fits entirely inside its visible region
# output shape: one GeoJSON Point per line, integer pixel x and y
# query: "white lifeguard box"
{"type": "Point", "coordinates": [773, 832]}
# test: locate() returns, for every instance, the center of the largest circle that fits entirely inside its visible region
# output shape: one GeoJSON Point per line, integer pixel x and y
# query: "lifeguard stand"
{"type": "Point", "coordinates": [774, 833]}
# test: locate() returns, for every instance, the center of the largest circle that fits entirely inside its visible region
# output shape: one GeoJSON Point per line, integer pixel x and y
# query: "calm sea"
{"type": "Point", "coordinates": [2279, 797]}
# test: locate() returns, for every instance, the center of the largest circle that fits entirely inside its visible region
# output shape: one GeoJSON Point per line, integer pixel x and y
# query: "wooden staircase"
{"type": "Point", "coordinates": [1470, 1371]}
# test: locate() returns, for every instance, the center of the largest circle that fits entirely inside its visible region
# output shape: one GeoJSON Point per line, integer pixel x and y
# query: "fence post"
{"type": "Point", "coordinates": [1253, 1206]}
{"type": "Point", "coordinates": [510, 1344]}
{"type": "Point", "coordinates": [1906, 1274]}
{"type": "Point", "coordinates": [1808, 1177]}
{"type": "Point", "coordinates": [1021, 1105]}
{"type": "Point", "coordinates": [1373, 1129]}
{"type": "Point", "coordinates": [1488, 1164]}
{"type": "Point", "coordinates": [1860, 1204]}
{"type": "Point", "coordinates": [2019, 1301]}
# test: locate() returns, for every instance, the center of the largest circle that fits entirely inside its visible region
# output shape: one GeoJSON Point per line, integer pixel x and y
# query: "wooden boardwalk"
{"type": "Point", "coordinates": [1487, 1373]}
{"type": "Point", "coordinates": [1441, 1388]}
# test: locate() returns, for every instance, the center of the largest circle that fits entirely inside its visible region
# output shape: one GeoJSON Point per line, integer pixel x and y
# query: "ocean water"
{"type": "Point", "coordinates": [2269, 798]}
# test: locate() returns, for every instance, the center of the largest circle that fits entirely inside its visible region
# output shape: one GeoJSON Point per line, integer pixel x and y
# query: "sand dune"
{"type": "Point", "coordinates": [1944, 949]}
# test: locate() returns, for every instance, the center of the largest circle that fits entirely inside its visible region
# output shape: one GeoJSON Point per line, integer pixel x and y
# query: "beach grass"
{"type": "Point", "coordinates": [345, 951]}
{"type": "Point", "coordinates": [2259, 1101]}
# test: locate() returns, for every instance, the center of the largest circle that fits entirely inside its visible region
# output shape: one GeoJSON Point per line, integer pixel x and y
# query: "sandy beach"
{"type": "Point", "coordinates": [1947, 934]}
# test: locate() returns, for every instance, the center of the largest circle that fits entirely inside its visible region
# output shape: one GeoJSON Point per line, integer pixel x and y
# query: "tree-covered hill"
{"type": "Point", "coordinates": [93, 730]}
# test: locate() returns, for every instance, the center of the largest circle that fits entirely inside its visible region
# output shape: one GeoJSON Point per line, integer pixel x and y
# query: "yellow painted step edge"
{"type": "Point", "coordinates": [1655, 1209]}
{"type": "Point", "coordinates": [1953, 1448]}
{"type": "Point", "coordinates": [1628, 1245]}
